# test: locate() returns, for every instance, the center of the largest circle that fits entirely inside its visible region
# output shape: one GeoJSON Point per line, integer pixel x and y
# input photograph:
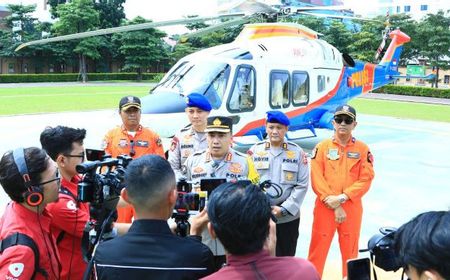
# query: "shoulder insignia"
{"type": "Point", "coordinates": [304, 158]}
{"type": "Point", "coordinates": [285, 146]}
{"type": "Point", "coordinates": [229, 156]}
{"type": "Point", "coordinates": [267, 145]}
{"type": "Point", "coordinates": [314, 153]}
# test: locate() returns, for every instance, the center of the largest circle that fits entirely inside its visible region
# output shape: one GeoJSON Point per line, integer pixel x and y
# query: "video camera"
{"type": "Point", "coordinates": [381, 247]}
{"type": "Point", "coordinates": [101, 185]}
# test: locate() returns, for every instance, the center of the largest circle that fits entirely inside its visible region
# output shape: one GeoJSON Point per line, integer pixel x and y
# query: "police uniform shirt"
{"type": "Point", "coordinates": [185, 143]}
{"type": "Point", "coordinates": [287, 167]}
{"type": "Point", "coordinates": [234, 166]}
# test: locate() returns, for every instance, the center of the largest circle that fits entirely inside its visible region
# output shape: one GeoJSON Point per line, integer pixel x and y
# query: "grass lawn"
{"type": "Point", "coordinates": [405, 110]}
{"type": "Point", "coordinates": [27, 100]}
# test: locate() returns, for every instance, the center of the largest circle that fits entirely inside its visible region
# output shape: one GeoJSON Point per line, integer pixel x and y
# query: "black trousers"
{"type": "Point", "coordinates": [287, 235]}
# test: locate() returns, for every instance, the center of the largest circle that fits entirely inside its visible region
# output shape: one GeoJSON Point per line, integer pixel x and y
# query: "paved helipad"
{"type": "Point", "coordinates": [412, 165]}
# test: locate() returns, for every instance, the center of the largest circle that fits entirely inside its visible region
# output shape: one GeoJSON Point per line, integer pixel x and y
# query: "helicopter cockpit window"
{"type": "Point", "coordinates": [243, 97]}
{"type": "Point", "coordinates": [279, 89]}
{"type": "Point", "coordinates": [208, 78]}
{"type": "Point", "coordinates": [320, 83]}
{"type": "Point", "coordinates": [300, 88]}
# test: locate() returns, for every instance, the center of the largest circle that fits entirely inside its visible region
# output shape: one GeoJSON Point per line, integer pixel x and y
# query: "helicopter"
{"type": "Point", "coordinates": [269, 66]}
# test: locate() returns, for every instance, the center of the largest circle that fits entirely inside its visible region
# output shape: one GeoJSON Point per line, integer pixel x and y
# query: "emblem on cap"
{"type": "Point", "coordinates": [130, 99]}
{"type": "Point", "coordinates": [186, 99]}
{"type": "Point", "coordinates": [217, 122]}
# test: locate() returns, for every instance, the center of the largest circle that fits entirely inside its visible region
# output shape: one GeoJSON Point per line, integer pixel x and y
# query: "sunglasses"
{"type": "Point", "coordinates": [57, 178]}
{"type": "Point", "coordinates": [339, 120]}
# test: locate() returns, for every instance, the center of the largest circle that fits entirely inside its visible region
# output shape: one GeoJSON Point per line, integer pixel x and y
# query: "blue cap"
{"type": "Point", "coordinates": [198, 100]}
{"type": "Point", "coordinates": [277, 117]}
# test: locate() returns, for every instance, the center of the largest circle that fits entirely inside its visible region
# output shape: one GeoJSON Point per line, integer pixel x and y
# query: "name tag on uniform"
{"type": "Point", "coordinates": [353, 155]}
{"type": "Point", "coordinates": [141, 143]}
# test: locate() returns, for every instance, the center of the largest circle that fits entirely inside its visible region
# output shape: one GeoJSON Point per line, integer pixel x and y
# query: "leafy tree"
{"type": "Point", "coordinates": [142, 49]}
{"type": "Point", "coordinates": [434, 38]}
{"type": "Point", "coordinates": [75, 17]}
{"type": "Point", "coordinates": [339, 36]}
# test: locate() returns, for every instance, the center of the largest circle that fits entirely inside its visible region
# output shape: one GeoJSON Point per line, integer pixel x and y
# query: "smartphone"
{"type": "Point", "coordinates": [209, 185]}
{"type": "Point", "coordinates": [358, 269]}
{"type": "Point", "coordinates": [93, 155]}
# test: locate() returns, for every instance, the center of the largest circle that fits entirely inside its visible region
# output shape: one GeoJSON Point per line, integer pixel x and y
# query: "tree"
{"type": "Point", "coordinates": [75, 17]}
{"type": "Point", "coordinates": [338, 36]}
{"type": "Point", "coordinates": [142, 49]}
{"type": "Point", "coordinates": [434, 38]}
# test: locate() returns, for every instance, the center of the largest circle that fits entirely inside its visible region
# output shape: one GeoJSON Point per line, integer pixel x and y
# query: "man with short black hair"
{"type": "Point", "coordinates": [65, 146]}
{"type": "Point", "coordinates": [341, 173]}
{"type": "Point", "coordinates": [423, 246]}
{"type": "Point", "coordinates": [244, 233]}
{"type": "Point", "coordinates": [150, 249]}
{"type": "Point", "coordinates": [31, 180]}
{"type": "Point", "coordinates": [132, 139]}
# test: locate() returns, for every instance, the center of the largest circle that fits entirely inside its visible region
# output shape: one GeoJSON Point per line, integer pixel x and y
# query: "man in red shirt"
{"type": "Point", "coordinates": [236, 212]}
{"type": "Point", "coordinates": [65, 146]}
{"type": "Point", "coordinates": [31, 180]}
{"type": "Point", "coordinates": [132, 139]}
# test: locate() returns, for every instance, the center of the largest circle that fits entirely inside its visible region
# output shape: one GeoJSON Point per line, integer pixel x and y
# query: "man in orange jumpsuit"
{"type": "Point", "coordinates": [132, 139]}
{"type": "Point", "coordinates": [341, 173]}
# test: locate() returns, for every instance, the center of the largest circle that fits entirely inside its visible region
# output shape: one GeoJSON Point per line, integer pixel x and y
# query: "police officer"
{"type": "Point", "coordinates": [219, 161]}
{"type": "Point", "coordinates": [193, 137]}
{"type": "Point", "coordinates": [132, 139]}
{"type": "Point", "coordinates": [285, 164]}
{"type": "Point", "coordinates": [341, 173]}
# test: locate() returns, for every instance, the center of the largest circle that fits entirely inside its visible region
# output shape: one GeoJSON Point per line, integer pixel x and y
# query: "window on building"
{"type": "Point", "coordinates": [10, 67]}
{"type": "Point", "coordinates": [407, 8]}
{"type": "Point", "coordinates": [398, 9]}
{"type": "Point", "coordinates": [243, 95]}
{"type": "Point", "coordinates": [446, 79]}
{"type": "Point", "coordinates": [279, 89]}
{"type": "Point", "coordinates": [424, 7]}
{"type": "Point", "coordinates": [300, 88]}
{"type": "Point", "coordinates": [25, 68]}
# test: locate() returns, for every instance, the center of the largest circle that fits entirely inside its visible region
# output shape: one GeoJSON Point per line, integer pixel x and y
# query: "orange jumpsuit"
{"type": "Point", "coordinates": [338, 170]}
{"type": "Point", "coordinates": [117, 142]}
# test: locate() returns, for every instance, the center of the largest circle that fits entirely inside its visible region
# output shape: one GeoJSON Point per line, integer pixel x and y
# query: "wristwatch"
{"type": "Point", "coordinates": [284, 212]}
{"type": "Point", "coordinates": [342, 198]}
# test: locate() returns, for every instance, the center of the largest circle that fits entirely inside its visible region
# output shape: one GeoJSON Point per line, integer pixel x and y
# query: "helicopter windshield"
{"type": "Point", "coordinates": [207, 78]}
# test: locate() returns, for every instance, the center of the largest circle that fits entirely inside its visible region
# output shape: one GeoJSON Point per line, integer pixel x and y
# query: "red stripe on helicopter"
{"type": "Point", "coordinates": [398, 39]}
{"type": "Point", "coordinates": [369, 72]}
{"type": "Point", "coordinates": [296, 112]}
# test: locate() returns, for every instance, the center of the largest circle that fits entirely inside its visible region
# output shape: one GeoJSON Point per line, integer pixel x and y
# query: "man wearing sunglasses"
{"type": "Point", "coordinates": [132, 139]}
{"type": "Point", "coordinates": [341, 173]}
{"type": "Point", "coordinates": [65, 146]}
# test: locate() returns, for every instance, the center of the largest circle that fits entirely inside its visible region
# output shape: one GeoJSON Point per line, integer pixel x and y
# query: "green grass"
{"type": "Point", "coordinates": [28, 100]}
{"type": "Point", "coordinates": [405, 110]}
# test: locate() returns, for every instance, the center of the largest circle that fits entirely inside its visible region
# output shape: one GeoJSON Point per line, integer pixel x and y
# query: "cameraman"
{"type": "Point", "coordinates": [150, 250]}
{"type": "Point", "coordinates": [27, 247]}
{"type": "Point", "coordinates": [65, 146]}
{"type": "Point", "coordinates": [423, 246]}
{"type": "Point", "coordinates": [244, 234]}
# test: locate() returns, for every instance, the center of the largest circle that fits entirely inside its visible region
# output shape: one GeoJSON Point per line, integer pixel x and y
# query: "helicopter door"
{"type": "Point", "coordinates": [243, 90]}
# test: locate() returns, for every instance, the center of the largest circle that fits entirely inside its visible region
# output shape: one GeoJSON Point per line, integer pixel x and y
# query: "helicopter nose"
{"type": "Point", "coordinates": [160, 103]}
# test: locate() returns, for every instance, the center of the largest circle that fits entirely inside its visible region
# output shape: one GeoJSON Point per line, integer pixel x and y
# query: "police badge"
{"type": "Point", "coordinates": [333, 154]}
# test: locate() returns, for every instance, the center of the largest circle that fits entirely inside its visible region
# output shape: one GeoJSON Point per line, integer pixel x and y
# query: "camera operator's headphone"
{"type": "Point", "coordinates": [33, 195]}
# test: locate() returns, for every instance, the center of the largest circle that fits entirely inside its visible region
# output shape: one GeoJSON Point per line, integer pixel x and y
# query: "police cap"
{"type": "Point", "coordinates": [346, 110]}
{"type": "Point", "coordinates": [198, 100]}
{"type": "Point", "coordinates": [219, 124]}
{"type": "Point", "coordinates": [128, 102]}
{"type": "Point", "coordinates": [277, 117]}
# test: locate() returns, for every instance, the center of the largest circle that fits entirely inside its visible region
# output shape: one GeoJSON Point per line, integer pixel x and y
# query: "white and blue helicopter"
{"type": "Point", "coordinates": [269, 66]}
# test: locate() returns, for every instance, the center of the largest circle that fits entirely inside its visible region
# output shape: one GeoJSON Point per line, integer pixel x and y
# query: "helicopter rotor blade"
{"type": "Point", "coordinates": [133, 27]}
{"type": "Point", "coordinates": [216, 27]}
{"type": "Point", "coordinates": [336, 16]}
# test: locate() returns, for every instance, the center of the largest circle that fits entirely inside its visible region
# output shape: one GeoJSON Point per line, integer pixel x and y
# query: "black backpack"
{"type": "Point", "coordinates": [18, 238]}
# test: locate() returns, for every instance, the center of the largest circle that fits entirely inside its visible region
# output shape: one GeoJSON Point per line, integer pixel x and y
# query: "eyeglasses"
{"type": "Point", "coordinates": [339, 120]}
{"type": "Point", "coordinates": [57, 178]}
{"type": "Point", "coordinates": [82, 155]}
